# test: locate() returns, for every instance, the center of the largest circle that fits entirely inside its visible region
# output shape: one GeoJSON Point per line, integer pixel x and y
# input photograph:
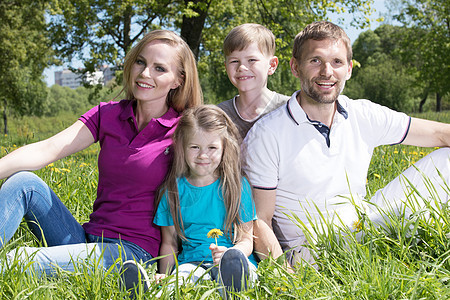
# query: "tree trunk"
{"type": "Point", "coordinates": [422, 102]}
{"type": "Point", "coordinates": [191, 28]}
{"type": "Point", "coordinates": [438, 102]}
{"type": "Point", "coordinates": [127, 43]}
{"type": "Point", "coordinates": [5, 118]}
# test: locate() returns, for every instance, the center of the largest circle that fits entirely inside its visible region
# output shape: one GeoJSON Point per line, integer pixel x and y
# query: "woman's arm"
{"type": "Point", "coordinates": [169, 249]}
{"type": "Point", "coordinates": [37, 155]}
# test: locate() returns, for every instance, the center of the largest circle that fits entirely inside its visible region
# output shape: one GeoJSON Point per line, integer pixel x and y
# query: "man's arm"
{"type": "Point", "coordinates": [425, 133]}
{"type": "Point", "coordinates": [265, 240]}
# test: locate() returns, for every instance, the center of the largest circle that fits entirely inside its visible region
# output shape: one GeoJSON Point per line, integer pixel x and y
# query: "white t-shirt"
{"type": "Point", "coordinates": [286, 152]}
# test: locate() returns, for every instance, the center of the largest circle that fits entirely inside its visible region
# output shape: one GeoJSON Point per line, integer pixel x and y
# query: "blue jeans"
{"type": "Point", "coordinates": [25, 195]}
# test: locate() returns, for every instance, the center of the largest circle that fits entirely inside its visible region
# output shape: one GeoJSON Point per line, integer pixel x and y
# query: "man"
{"type": "Point", "coordinates": [312, 154]}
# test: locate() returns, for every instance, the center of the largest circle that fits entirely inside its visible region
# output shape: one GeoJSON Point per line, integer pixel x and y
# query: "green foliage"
{"type": "Point", "coordinates": [408, 259]}
{"type": "Point", "coordinates": [427, 44]}
{"type": "Point", "coordinates": [284, 18]}
{"type": "Point", "coordinates": [384, 82]}
{"type": "Point", "coordinates": [98, 32]}
{"type": "Point", "coordinates": [107, 29]}
{"type": "Point", "coordinates": [64, 99]}
{"type": "Point", "coordinates": [391, 68]}
{"type": "Point", "coordinates": [24, 53]}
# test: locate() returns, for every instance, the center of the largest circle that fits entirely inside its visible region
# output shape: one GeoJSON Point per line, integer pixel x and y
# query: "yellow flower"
{"type": "Point", "coordinates": [377, 175]}
{"type": "Point", "coordinates": [214, 233]}
{"type": "Point", "coordinates": [357, 225]}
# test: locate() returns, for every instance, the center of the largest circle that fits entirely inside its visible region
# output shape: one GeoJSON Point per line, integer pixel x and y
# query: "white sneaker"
{"type": "Point", "coordinates": [132, 277]}
{"type": "Point", "coordinates": [233, 271]}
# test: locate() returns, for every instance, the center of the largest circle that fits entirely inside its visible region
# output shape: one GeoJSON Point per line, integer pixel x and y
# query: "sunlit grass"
{"type": "Point", "coordinates": [408, 260]}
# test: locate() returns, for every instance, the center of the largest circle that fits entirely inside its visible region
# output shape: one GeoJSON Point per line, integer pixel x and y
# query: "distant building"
{"type": "Point", "coordinates": [73, 80]}
{"type": "Point", "coordinates": [68, 78]}
{"type": "Point", "coordinates": [108, 73]}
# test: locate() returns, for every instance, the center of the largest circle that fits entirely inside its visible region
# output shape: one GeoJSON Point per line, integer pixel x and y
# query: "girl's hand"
{"type": "Point", "coordinates": [217, 252]}
{"type": "Point", "coordinates": [158, 277]}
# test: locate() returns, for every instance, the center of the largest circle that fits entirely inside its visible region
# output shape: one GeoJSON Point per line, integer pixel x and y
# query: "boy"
{"type": "Point", "coordinates": [249, 59]}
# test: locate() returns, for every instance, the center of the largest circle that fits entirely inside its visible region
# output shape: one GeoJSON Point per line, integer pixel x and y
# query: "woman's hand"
{"type": "Point", "coordinates": [217, 252]}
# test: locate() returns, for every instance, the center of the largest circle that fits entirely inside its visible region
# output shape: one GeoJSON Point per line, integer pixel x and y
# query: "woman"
{"type": "Point", "coordinates": [160, 81]}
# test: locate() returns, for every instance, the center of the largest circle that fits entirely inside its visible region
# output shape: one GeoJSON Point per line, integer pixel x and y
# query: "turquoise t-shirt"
{"type": "Point", "coordinates": [203, 209]}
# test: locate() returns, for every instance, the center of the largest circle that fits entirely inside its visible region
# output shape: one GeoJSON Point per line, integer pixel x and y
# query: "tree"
{"type": "Point", "coordinates": [385, 82]}
{"type": "Point", "coordinates": [427, 44]}
{"type": "Point", "coordinates": [284, 18]}
{"type": "Point", "coordinates": [101, 31]}
{"type": "Point", "coordinates": [384, 76]}
{"type": "Point", "coordinates": [24, 54]}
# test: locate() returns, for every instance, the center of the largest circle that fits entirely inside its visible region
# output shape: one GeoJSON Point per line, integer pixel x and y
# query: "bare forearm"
{"type": "Point", "coordinates": [167, 262]}
{"type": "Point", "coordinates": [29, 158]}
{"type": "Point", "coordinates": [246, 246]}
{"type": "Point", "coordinates": [37, 155]}
{"type": "Point", "coordinates": [265, 240]}
{"type": "Point", "coordinates": [425, 133]}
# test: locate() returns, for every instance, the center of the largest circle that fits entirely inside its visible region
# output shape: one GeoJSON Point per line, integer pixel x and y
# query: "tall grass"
{"type": "Point", "coordinates": [410, 259]}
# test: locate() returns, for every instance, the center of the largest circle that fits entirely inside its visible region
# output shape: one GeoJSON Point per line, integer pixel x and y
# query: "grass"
{"type": "Point", "coordinates": [408, 260]}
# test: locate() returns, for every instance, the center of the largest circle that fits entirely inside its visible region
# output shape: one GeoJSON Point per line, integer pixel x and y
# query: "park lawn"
{"type": "Point", "coordinates": [409, 260]}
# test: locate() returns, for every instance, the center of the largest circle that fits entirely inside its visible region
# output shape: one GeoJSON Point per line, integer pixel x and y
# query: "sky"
{"type": "Point", "coordinates": [352, 32]}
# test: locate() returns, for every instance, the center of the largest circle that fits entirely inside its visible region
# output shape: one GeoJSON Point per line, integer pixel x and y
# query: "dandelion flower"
{"type": "Point", "coordinates": [357, 225]}
{"type": "Point", "coordinates": [214, 233]}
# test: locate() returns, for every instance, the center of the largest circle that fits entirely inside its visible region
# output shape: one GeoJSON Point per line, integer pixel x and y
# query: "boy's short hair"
{"type": "Point", "coordinates": [240, 37]}
{"type": "Point", "coordinates": [321, 31]}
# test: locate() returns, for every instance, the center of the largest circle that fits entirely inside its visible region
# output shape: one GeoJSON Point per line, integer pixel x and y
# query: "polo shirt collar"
{"type": "Point", "coordinates": [169, 119]}
{"type": "Point", "coordinates": [298, 115]}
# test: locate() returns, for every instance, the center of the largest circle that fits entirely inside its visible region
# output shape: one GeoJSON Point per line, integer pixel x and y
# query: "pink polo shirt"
{"type": "Point", "coordinates": [131, 167]}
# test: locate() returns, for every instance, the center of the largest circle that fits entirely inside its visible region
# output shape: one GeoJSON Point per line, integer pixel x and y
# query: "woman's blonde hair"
{"type": "Point", "coordinates": [211, 119]}
{"type": "Point", "coordinates": [189, 93]}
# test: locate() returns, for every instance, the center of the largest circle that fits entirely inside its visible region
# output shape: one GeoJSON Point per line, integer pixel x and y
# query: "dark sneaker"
{"type": "Point", "coordinates": [233, 270]}
{"type": "Point", "coordinates": [131, 274]}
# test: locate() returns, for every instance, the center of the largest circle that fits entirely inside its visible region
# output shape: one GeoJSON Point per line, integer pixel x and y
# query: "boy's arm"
{"type": "Point", "coordinates": [265, 240]}
{"type": "Point", "coordinates": [169, 249]}
{"type": "Point", "coordinates": [425, 133]}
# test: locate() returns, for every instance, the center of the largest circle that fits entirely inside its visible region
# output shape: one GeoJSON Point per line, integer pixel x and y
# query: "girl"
{"type": "Point", "coordinates": [160, 81]}
{"type": "Point", "coordinates": [204, 191]}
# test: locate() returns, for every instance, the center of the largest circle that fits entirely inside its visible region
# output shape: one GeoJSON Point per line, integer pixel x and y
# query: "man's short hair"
{"type": "Point", "coordinates": [240, 37]}
{"type": "Point", "coordinates": [321, 31]}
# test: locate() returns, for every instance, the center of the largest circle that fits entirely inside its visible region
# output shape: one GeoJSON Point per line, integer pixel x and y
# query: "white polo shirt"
{"type": "Point", "coordinates": [311, 171]}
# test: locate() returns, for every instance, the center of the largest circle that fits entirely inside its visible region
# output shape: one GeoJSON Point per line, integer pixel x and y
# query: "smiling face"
{"type": "Point", "coordinates": [248, 69]}
{"type": "Point", "coordinates": [155, 73]}
{"type": "Point", "coordinates": [203, 154]}
{"type": "Point", "coordinates": [323, 69]}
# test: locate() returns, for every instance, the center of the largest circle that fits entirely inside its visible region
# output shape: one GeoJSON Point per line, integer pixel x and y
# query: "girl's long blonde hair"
{"type": "Point", "coordinates": [212, 119]}
{"type": "Point", "coordinates": [189, 93]}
